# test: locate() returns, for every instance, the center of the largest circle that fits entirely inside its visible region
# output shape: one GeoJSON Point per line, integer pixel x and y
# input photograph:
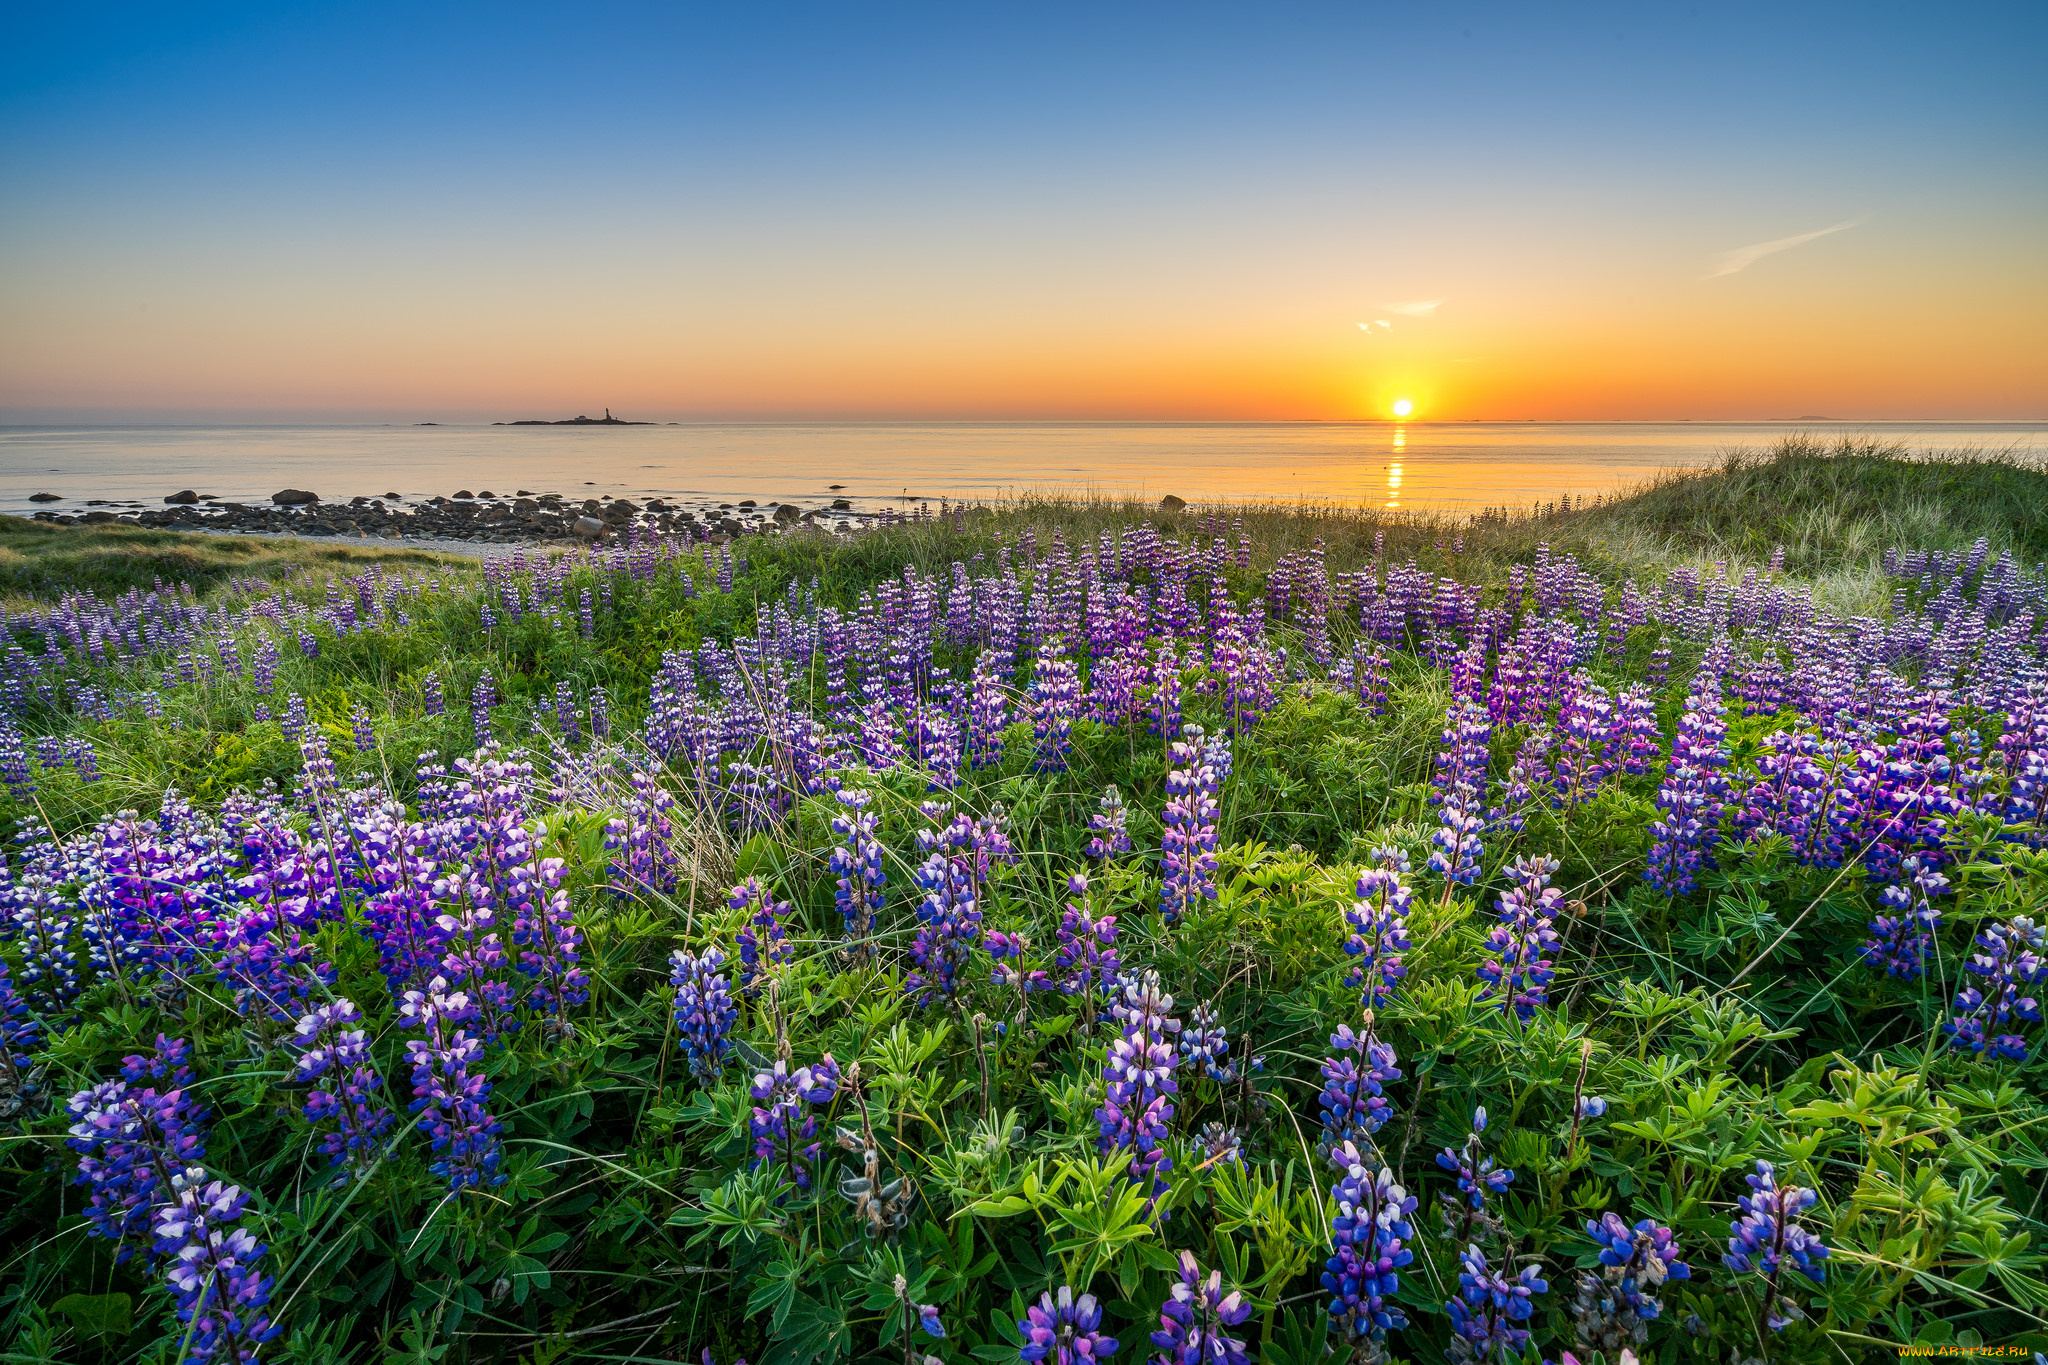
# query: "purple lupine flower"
{"type": "Point", "coordinates": [543, 929]}
{"type": "Point", "coordinates": [782, 1124]}
{"type": "Point", "coordinates": [1353, 1101]}
{"type": "Point", "coordinates": [1007, 951]}
{"type": "Point", "coordinates": [1379, 927]}
{"type": "Point", "coordinates": [1367, 1229]}
{"type": "Point", "coordinates": [430, 688]}
{"type": "Point", "coordinates": [359, 724]}
{"type": "Point", "coordinates": [1487, 1308]}
{"type": "Point", "coordinates": [1085, 964]}
{"type": "Point", "coordinates": [1635, 722]}
{"type": "Point", "coordinates": [1899, 941]}
{"type": "Point", "coordinates": [600, 715]}
{"type": "Point", "coordinates": [482, 698]}
{"type": "Point", "coordinates": [211, 1266]}
{"type": "Point", "coordinates": [83, 757]}
{"type": "Point", "coordinates": [1612, 1309]}
{"type": "Point", "coordinates": [1768, 1237]}
{"type": "Point", "coordinates": [565, 711]}
{"type": "Point", "coordinates": [1193, 1320]}
{"type": "Point", "coordinates": [1109, 837]}
{"type": "Point", "coordinates": [20, 1036]}
{"type": "Point", "coordinates": [1166, 684]}
{"type": "Point", "coordinates": [586, 619]}
{"type": "Point", "coordinates": [2009, 958]}
{"type": "Point", "coordinates": [856, 864]}
{"type": "Point", "coordinates": [449, 1087]}
{"type": "Point", "coordinates": [14, 763]}
{"type": "Point", "coordinates": [1517, 976]}
{"type": "Point", "coordinates": [948, 926]}
{"type": "Point", "coordinates": [331, 1044]}
{"type": "Point", "coordinates": [1064, 1330]}
{"type": "Point", "coordinates": [1138, 1074]}
{"type": "Point", "coordinates": [42, 922]}
{"type": "Point", "coordinates": [132, 1141]}
{"type": "Point", "coordinates": [1188, 846]}
{"type": "Point", "coordinates": [646, 835]}
{"type": "Point", "coordinates": [1690, 797]}
{"type": "Point", "coordinates": [1219, 1144]}
{"type": "Point", "coordinates": [1205, 1045]}
{"type": "Point", "coordinates": [704, 1010]}
{"type": "Point", "coordinates": [1365, 674]}
{"type": "Point", "coordinates": [293, 722]}
{"type": "Point", "coordinates": [265, 667]}
{"type": "Point", "coordinates": [1054, 699]}
{"type": "Point", "coordinates": [1461, 789]}
{"type": "Point", "coordinates": [988, 710]}
{"type": "Point", "coordinates": [1478, 1180]}
{"type": "Point", "coordinates": [763, 939]}
{"type": "Point", "coordinates": [309, 645]}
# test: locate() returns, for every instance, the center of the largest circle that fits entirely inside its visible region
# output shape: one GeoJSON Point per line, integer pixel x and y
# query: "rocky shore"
{"type": "Point", "coordinates": [523, 517]}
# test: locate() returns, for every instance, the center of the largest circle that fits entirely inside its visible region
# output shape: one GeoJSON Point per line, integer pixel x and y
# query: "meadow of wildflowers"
{"type": "Point", "coordinates": [1028, 938]}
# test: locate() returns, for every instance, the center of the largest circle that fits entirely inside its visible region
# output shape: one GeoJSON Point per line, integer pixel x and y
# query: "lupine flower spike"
{"type": "Point", "coordinates": [1193, 1320]}
{"type": "Point", "coordinates": [1768, 1240]}
{"type": "Point", "coordinates": [1367, 1235]}
{"type": "Point", "coordinates": [1613, 1309]}
{"type": "Point", "coordinates": [1062, 1329]}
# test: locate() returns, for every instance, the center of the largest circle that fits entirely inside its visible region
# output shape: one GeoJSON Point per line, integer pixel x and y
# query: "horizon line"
{"type": "Point", "coordinates": [12, 420]}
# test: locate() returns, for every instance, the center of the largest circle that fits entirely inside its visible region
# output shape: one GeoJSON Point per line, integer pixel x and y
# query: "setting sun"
{"type": "Point", "coordinates": [1402, 407]}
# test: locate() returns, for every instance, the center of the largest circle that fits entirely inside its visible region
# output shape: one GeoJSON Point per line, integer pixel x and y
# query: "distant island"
{"type": "Point", "coordinates": [605, 421]}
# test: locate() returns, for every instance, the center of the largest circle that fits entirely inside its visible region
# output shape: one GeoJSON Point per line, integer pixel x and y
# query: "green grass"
{"type": "Point", "coordinates": [1833, 509]}
{"type": "Point", "coordinates": [44, 561]}
{"type": "Point", "coordinates": [1831, 506]}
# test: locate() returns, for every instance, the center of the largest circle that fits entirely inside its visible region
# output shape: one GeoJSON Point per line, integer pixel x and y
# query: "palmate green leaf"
{"type": "Point", "coordinates": [742, 1208]}
{"type": "Point", "coordinates": [2019, 1270]}
{"type": "Point", "coordinates": [809, 1329]}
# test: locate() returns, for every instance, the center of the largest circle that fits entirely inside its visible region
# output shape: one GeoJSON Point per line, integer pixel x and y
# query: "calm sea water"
{"type": "Point", "coordinates": [1411, 466]}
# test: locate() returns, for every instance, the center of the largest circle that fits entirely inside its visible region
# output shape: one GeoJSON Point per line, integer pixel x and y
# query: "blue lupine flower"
{"type": "Point", "coordinates": [704, 1010]}
{"type": "Point", "coordinates": [1768, 1237]}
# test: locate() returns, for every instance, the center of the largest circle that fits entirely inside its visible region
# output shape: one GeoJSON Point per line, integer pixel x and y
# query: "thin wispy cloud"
{"type": "Point", "coordinates": [1743, 257]}
{"type": "Point", "coordinates": [1421, 309]}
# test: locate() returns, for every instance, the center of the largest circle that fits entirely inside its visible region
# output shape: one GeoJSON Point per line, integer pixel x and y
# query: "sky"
{"type": "Point", "coordinates": [1285, 211]}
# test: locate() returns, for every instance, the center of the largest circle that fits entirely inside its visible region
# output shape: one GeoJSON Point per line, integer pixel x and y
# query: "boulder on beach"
{"type": "Point", "coordinates": [588, 528]}
{"type": "Point", "coordinates": [184, 497]}
{"type": "Point", "coordinates": [487, 493]}
{"type": "Point", "coordinates": [46, 497]}
{"type": "Point", "coordinates": [841, 505]}
{"type": "Point", "coordinates": [465, 493]}
{"type": "Point", "coordinates": [1170, 503]}
{"type": "Point", "coordinates": [784, 512]}
{"type": "Point", "coordinates": [294, 497]}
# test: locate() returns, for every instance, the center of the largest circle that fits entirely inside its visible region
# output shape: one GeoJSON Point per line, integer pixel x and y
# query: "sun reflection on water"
{"type": "Point", "coordinates": [1394, 467]}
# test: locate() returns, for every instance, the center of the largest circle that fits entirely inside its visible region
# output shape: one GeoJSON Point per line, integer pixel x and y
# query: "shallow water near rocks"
{"type": "Point", "coordinates": [1413, 466]}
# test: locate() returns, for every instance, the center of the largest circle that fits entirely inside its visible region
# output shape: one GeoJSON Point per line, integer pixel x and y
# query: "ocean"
{"type": "Point", "coordinates": [1413, 466]}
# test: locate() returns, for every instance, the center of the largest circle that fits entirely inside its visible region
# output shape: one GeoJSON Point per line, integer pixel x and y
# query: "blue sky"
{"type": "Point", "coordinates": [994, 210]}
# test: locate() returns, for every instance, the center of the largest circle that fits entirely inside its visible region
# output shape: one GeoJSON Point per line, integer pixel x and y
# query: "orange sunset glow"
{"type": "Point", "coordinates": [194, 236]}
